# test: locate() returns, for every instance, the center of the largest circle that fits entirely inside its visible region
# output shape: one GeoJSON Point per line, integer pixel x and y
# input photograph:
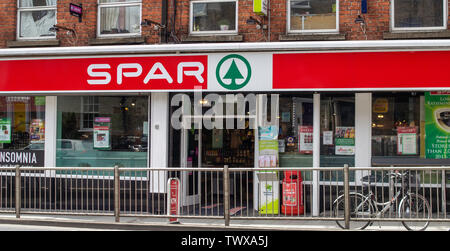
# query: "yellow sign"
{"type": "Point", "coordinates": [380, 105]}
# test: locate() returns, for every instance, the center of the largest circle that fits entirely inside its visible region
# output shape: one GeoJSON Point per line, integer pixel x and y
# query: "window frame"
{"type": "Point", "coordinates": [31, 9]}
{"type": "Point", "coordinates": [433, 28]}
{"type": "Point", "coordinates": [321, 31]}
{"type": "Point", "coordinates": [118, 4]}
{"type": "Point", "coordinates": [218, 32]}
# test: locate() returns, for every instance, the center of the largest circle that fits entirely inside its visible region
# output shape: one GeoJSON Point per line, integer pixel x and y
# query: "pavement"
{"type": "Point", "coordinates": [162, 224]}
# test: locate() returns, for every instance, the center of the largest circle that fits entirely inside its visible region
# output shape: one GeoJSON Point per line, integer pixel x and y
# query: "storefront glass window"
{"type": "Point", "coordinates": [295, 136]}
{"type": "Point", "coordinates": [337, 132]}
{"type": "Point", "coordinates": [410, 128]}
{"type": "Point", "coordinates": [97, 131]}
{"type": "Point", "coordinates": [22, 131]}
{"type": "Point", "coordinates": [314, 15]}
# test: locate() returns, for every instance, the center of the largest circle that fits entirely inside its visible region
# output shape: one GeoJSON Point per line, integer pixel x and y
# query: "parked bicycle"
{"type": "Point", "coordinates": [413, 209]}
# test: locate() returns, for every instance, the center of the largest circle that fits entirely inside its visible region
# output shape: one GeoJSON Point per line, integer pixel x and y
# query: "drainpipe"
{"type": "Point", "coordinates": [164, 14]}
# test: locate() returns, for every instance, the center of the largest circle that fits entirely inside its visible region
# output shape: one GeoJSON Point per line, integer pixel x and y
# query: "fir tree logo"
{"type": "Point", "coordinates": [233, 72]}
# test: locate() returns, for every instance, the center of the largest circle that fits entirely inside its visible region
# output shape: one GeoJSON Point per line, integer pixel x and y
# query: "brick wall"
{"type": "Point", "coordinates": [377, 21]}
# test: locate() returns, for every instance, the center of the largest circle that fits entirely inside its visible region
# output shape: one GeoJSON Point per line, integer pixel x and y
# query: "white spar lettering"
{"type": "Point", "coordinates": [103, 77]}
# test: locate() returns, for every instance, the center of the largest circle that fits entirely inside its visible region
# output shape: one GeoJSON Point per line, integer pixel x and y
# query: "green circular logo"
{"type": "Point", "coordinates": [233, 72]}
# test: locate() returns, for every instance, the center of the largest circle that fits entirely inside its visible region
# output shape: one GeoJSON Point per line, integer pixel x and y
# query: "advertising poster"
{"type": "Point", "coordinates": [437, 125]}
{"type": "Point", "coordinates": [328, 137]}
{"type": "Point", "coordinates": [102, 126]}
{"type": "Point", "coordinates": [268, 180]}
{"type": "Point", "coordinates": [305, 139]}
{"type": "Point", "coordinates": [406, 140]}
{"type": "Point", "coordinates": [37, 131]}
{"type": "Point", "coordinates": [5, 130]}
{"type": "Point", "coordinates": [345, 140]}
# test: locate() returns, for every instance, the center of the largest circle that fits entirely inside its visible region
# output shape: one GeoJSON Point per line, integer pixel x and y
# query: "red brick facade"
{"type": "Point", "coordinates": [377, 20]}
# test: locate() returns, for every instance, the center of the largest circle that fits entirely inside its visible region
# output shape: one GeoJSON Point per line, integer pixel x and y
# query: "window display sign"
{"type": "Point", "coordinates": [37, 131]}
{"type": "Point", "coordinates": [102, 136]}
{"type": "Point", "coordinates": [437, 125]}
{"type": "Point", "coordinates": [345, 140]}
{"type": "Point", "coordinates": [328, 137]}
{"type": "Point", "coordinates": [406, 140]}
{"type": "Point", "coordinates": [305, 139]}
{"type": "Point", "coordinates": [5, 130]}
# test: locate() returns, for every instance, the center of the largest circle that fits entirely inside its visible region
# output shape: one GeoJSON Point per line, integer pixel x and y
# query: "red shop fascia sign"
{"type": "Point", "coordinates": [296, 71]}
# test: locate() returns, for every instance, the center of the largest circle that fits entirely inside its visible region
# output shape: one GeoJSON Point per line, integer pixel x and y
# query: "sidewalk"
{"type": "Point", "coordinates": [161, 224]}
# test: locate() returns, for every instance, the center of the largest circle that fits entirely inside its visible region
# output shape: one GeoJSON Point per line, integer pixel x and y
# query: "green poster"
{"type": "Point", "coordinates": [5, 130]}
{"type": "Point", "coordinates": [437, 125]}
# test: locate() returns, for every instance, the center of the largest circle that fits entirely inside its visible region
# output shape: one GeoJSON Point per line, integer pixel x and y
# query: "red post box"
{"type": "Point", "coordinates": [292, 193]}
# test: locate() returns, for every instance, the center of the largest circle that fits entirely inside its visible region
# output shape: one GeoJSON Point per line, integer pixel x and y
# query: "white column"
{"type": "Point", "coordinates": [363, 132]}
{"type": "Point", "coordinates": [316, 154]}
{"type": "Point", "coordinates": [159, 138]}
{"type": "Point", "coordinates": [51, 116]}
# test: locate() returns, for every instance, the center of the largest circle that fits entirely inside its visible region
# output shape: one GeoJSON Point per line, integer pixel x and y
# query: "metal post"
{"type": "Point", "coordinates": [18, 192]}
{"type": "Point", "coordinates": [346, 197]}
{"type": "Point", "coordinates": [116, 193]}
{"type": "Point", "coordinates": [226, 192]}
{"type": "Point", "coordinates": [444, 195]}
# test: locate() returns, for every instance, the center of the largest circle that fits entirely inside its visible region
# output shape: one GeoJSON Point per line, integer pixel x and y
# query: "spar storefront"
{"type": "Point", "coordinates": [299, 104]}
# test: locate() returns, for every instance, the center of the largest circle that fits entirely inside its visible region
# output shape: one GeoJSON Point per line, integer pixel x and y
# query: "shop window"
{"type": "Point", "coordinates": [296, 125]}
{"type": "Point", "coordinates": [118, 134]}
{"type": "Point", "coordinates": [214, 16]}
{"type": "Point", "coordinates": [313, 15]}
{"type": "Point", "coordinates": [419, 14]}
{"type": "Point", "coordinates": [22, 131]}
{"type": "Point", "coordinates": [119, 18]}
{"type": "Point", "coordinates": [35, 18]}
{"type": "Point", "coordinates": [337, 133]}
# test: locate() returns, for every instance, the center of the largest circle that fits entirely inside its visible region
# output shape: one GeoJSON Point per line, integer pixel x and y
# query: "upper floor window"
{"type": "Point", "coordinates": [213, 16]}
{"type": "Point", "coordinates": [313, 16]}
{"type": "Point", "coordinates": [35, 18]}
{"type": "Point", "coordinates": [419, 14]}
{"type": "Point", "coordinates": [119, 17]}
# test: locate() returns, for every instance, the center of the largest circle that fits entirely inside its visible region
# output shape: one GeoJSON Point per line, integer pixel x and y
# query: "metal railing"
{"type": "Point", "coordinates": [221, 194]}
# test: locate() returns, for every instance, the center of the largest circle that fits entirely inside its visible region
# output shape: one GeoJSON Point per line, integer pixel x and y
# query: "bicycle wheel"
{"type": "Point", "coordinates": [415, 206]}
{"type": "Point", "coordinates": [360, 207]}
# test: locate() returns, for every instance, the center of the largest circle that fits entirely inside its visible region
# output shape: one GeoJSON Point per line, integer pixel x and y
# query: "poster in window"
{"type": "Point", "coordinates": [437, 125]}
{"type": "Point", "coordinates": [305, 139]}
{"type": "Point", "coordinates": [37, 131]}
{"type": "Point", "coordinates": [345, 140]}
{"type": "Point", "coordinates": [5, 130]}
{"type": "Point", "coordinates": [102, 126]}
{"type": "Point", "coordinates": [406, 140]}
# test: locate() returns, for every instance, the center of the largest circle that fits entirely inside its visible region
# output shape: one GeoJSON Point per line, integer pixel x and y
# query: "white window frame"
{"type": "Point", "coordinates": [29, 9]}
{"type": "Point", "coordinates": [118, 4]}
{"type": "Point", "coordinates": [86, 101]}
{"type": "Point", "coordinates": [218, 32]}
{"type": "Point", "coordinates": [334, 31]}
{"type": "Point", "coordinates": [406, 29]}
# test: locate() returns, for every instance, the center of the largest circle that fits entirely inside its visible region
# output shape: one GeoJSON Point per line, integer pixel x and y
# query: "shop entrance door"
{"type": "Point", "coordinates": [215, 148]}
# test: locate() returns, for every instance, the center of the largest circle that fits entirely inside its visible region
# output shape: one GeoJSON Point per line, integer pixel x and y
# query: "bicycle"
{"type": "Point", "coordinates": [366, 206]}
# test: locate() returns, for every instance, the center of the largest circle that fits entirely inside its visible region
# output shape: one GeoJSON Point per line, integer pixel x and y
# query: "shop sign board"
{"type": "Point", "coordinates": [260, 7]}
{"type": "Point", "coordinates": [437, 125]}
{"type": "Point", "coordinates": [406, 140]}
{"type": "Point", "coordinates": [345, 140]}
{"type": "Point", "coordinates": [102, 135]}
{"type": "Point", "coordinates": [34, 158]}
{"type": "Point", "coordinates": [229, 72]}
{"type": "Point", "coordinates": [5, 130]}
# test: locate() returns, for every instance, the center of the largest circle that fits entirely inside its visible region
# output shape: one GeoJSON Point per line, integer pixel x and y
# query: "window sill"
{"type": "Point", "coordinates": [32, 43]}
{"type": "Point", "coordinates": [117, 40]}
{"type": "Point", "coordinates": [312, 37]}
{"type": "Point", "coordinates": [416, 34]}
{"type": "Point", "coordinates": [213, 38]}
